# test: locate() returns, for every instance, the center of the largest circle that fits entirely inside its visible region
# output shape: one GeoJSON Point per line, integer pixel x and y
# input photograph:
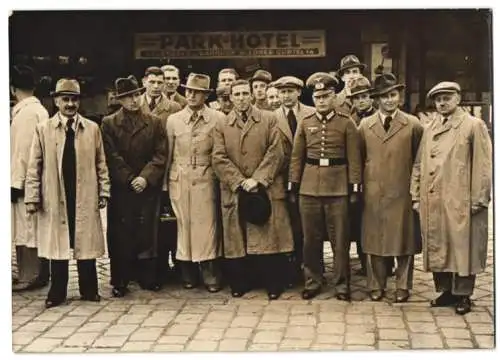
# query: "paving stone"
{"type": "Point", "coordinates": [137, 346]}
{"type": "Point", "coordinates": [194, 309]}
{"type": "Point", "coordinates": [294, 344]}
{"type": "Point", "coordinates": [219, 316]}
{"type": "Point", "coordinates": [478, 317]}
{"type": "Point", "coordinates": [84, 310]}
{"type": "Point", "coordinates": [485, 341]}
{"type": "Point", "coordinates": [59, 332]}
{"type": "Point", "coordinates": [263, 347]}
{"type": "Point", "coordinates": [72, 321]}
{"type": "Point", "coordinates": [155, 320]}
{"type": "Point", "coordinates": [74, 350]}
{"type": "Point", "coordinates": [250, 309]}
{"type": "Point", "coordinates": [393, 345]}
{"type": "Point", "coordinates": [392, 334]}
{"type": "Point", "coordinates": [302, 309]}
{"type": "Point", "coordinates": [331, 316]}
{"type": "Point", "coordinates": [329, 339]}
{"type": "Point", "coordinates": [105, 316]}
{"type": "Point", "coordinates": [268, 337]}
{"type": "Point", "coordinates": [418, 316]}
{"type": "Point", "coordinates": [173, 339]}
{"type": "Point", "coordinates": [132, 319]}
{"type": "Point", "coordinates": [178, 329]}
{"type": "Point", "coordinates": [359, 329]}
{"type": "Point", "coordinates": [189, 319]}
{"type": "Point", "coordinates": [23, 338]}
{"type": "Point", "coordinates": [22, 319]}
{"type": "Point", "coordinates": [245, 321]}
{"type": "Point", "coordinates": [202, 345]}
{"type": "Point", "coordinates": [331, 328]}
{"type": "Point", "coordinates": [168, 348]}
{"type": "Point", "coordinates": [42, 345]}
{"type": "Point", "coordinates": [146, 334]}
{"type": "Point", "coordinates": [233, 345]}
{"type": "Point", "coordinates": [360, 338]}
{"type": "Point", "coordinates": [94, 327]}
{"type": "Point", "coordinates": [120, 330]}
{"type": "Point", "coordinates": [426, 341]}
{"type": "Point", "coordinates": [81, 339]}
{"type": "Point", "coordinates": [300, 332]}
{"type": "Point", "coordinates": [458, 344]}
{"type": "Point", "coordinates": [238, 333]}
{"type": "Point", "coordinates": [360, 347]}
{"type": "Point", "coordinates": [271, 326]}
{"type": "Point", "coordinates": [36, 326]}
{"type": "Point", "coordinates": [482, 329]}
{"type": "Point", "coordinates": [455, 333]}
{"type": "Point", "coordinates": [209, 334]}
{"type": "Point", "coordinates": [110, 341]}
{"type": "Point", "coordinates": [422, 327]}
{"type": "Point", "coordinates": [390, 322]}
{"type": "Point", "coordinates": [275, 317]}
{"type": "Point", "coordinates": [46, 316]}
{"type": "Point", "coordinates": [451, 321]}
{"type": "Point", "coordinates": [141, 309]}
{"type": "Point", "coordinates": [102, 350]}
{"type": "Point", "coordinates": [215, 324]}
{"type": "Point", "coordinates": [325, 347]}
{"type": "Point", "coordinates": [303, 320]}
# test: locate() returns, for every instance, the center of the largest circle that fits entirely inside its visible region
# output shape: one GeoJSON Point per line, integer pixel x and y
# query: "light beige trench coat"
{"type": "Point", "coordinates": [192, 184]}
{"type": "Point", "coordinates": [26, 114]}
{"type": "Point", "coordinates": [453, 172]}
{"type": "Point", "coordinates": [251, 150]}
{"type": "Point", "coordinates": [45, 185]}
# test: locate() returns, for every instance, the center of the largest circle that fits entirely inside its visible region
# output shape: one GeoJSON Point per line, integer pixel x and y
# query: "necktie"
{"type": "Point", "coordinates": [69, 178]}
{"type": "Point", "coordinates": [445, 120]}
{"type": "Point", "coordinates": [292, 121]}
{"type": "Point", "coordinates": [152, 104]}
{"type": "Point", "coordinates": [387, 123]}
{"type": "Point", "coordinates": [244, 116]}
{"type": "Point", "coordinates": [194, 117]}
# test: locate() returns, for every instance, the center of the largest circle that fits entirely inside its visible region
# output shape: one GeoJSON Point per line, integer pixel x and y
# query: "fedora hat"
{"type": "Point", "coordinates": [262, 75]}
{"type": "Point", "coordinates": [350, 61]}
{"type": "Point", "coordinates": [200, 82]}
{"type": "Point", "coordinates": [385, 83]}
{"type": "Point", "coordinates": [254, 207]}
{"type": "Point", "coordinates": [126, 86]}
{"type": "Point", "coordinates": [66, 87]}
{"type": "Point", "coordinates": [360, 85]}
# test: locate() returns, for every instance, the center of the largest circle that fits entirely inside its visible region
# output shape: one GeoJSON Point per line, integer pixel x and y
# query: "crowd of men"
{"type": "Point", "coordinates": [257, 182]}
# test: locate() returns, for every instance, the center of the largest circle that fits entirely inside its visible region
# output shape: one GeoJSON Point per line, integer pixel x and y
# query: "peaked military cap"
{"type": "Point", "coordinates": [444, 87]}
{"type": "Point", "coordinates": [322, 82]}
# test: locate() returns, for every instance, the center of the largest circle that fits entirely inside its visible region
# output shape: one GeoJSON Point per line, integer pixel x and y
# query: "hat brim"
{"type": "Point", "coordinates": [288, 85]}
{"type": "Point", "coordinates": [344, 68]}
{"type": "Point", "coordinates": [442, 91]}
{"type": "Point", "coordinates": [323, 91]}
{"type": "Point", "coordinates": [196, 88]}
{"type": "Point", "coordinates": [60, 93]}
{"type": "Point", "coordinates": [128, 93]}
{"type": "Point", "coordinates": [360, 92]}
{"type": "Point", "coordinates": [267, 81]}
{"type": "Point", "coordinates": [377, 93]}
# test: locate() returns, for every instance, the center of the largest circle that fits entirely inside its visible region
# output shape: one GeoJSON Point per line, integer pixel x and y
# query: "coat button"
{"type": "Point", "coordinates": [431, 173]}
{"type": "Point", "coordinates": [433, 156]}
{"type": "Point", "coordinates": [431, 191]}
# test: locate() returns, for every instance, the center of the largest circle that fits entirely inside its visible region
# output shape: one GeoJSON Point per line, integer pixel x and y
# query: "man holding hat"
{"type": "Point", "coordinates": [350, 68]}
{"type": "Point", "coordinates": [67, 183]}
{"type": "Point", "coordinates": [451, 187]}
{"type": "Point", "coordinates": [155, 102]}
{"type": "Point", "coordinates": [389, 142]}
{"type": "Point", "coordinates": [172, 82]}
{"type": "Point", "coordinates": [326, 171]}
{"type": "Point", "coordinates": [225, 78]}
{"type": "Point", "coordinates": [33, 272]}
{"type": "Point", "coordinates": [135, 145]}
{"type": "Point", "coordinates": [259, 82]}
{"type": "Point", "coordinates": [248, 159]}
{"type": "Point", "coordinates": [291, 112]}
{"type": "Point", "coordinates": [193, 188]}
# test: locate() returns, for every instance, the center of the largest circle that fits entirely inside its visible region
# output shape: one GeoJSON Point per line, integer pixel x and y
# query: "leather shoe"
{"type": "Point", "coordinates": [188, 285]}
{"type": "Point", "coordinates": [445, 299]}
{"type": "Point", "coordinates": [463, 306]}
{"type": "Point", "coordinates": [119, 292]}
{"type": "Point", "coordinates": [376, 295]}
{"type": "Point", "coordinates": [213, 288]}
{"type": "Point", "coordinates": [274, 294]}
{"type": "Point", "coordinates": [343, 296]}
{"type": "Point", "coordinates": [151, 287]}
{"type": "Point", "coordinates": [53, 303]}
{"type": "Point", "coordinates": [93, 298]}
{"type": "Point", "coordinates": [237, 293]}
{"type": "Point", "coordinates": [402, 295]}
{"type": "Point", "coordinates": [309, 294]}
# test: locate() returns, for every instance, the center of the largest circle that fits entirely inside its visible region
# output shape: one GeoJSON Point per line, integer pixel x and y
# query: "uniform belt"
{"type": "Point", "coordinates": [326, 162]}
{"type": "Point", "coordinates": [193, 160]}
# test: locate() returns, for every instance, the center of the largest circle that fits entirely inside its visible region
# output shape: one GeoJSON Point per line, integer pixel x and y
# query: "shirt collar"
{"type": "Point", "coordinates": [201, 113]}
{"type": "Point", "coordinates": [383, 117]}
{"type": "Point", "coordinates": [64, 121]}
{"type": "Point", "coordinates": [295, 109]}
{"type": "Point", "coordinates": [328, 116]}
{"type": "Point", "coordinates": [149, 99]}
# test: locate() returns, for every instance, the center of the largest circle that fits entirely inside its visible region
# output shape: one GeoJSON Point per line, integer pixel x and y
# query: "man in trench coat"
{"type": "Point", "coordinates": [325, 171]}
{"type": "Point", "coordinates": [389, 143]}
{"type": "Point", "coordinates": [193, 187]}
{"type": "Point", "coordinates": [451, 185]}
{"type": "Point", "coordinates": [289, 114]}
{"type": "Point", "coordinates": [135, 145]}
{"type": "Point", "coordinates": [66, 184]}
{"type": "Point", "coordinates": [155, 102]}
{"type": "Point", "coordinates": [248, 155]}
{"type": "Point", "coordinates": [33, 272]}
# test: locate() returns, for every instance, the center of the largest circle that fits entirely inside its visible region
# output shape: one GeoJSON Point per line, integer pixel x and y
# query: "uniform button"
{"type": "Point", "coordinates": [322, 149]}
{"type": "Point", "coordinates": [322, 138]}
{"type": "Point", "coordinates": [322, 154]}
{"type": "Point", "coordinates": [431, 173]}
{"type": "Point", "coordinates": [323, 131]}
{"type": "Point", "coordinates": [433, 156]}
{"type": "Point", "coordinates": [431, 191]}
{"type": "Point", "coordinates": [63, 222]}
{"type": "Point", "coordinates": [323, 126]}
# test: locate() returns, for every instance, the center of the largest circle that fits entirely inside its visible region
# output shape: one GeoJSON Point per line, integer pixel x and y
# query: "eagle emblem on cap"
{"type": "Point", "coordinates": [319, 86]}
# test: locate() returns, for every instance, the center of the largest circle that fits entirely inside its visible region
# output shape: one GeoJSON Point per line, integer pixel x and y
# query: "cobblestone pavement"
{"type": "Point", "coordinates": [175, 319]}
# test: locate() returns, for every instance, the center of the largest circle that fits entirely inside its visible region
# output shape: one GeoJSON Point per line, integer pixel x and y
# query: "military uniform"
{"type": "Point", "coordinates": [325, 168]}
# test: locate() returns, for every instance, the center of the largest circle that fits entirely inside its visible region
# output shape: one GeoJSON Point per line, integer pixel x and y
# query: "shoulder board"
{"type": "Point", "coordinates": [341, 113]}
{"type": "Point", "coordinates": [310, 115]}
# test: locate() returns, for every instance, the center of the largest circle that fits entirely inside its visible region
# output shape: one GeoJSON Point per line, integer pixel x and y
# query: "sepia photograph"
{"type": "Point", "coordinates": [258, 180]}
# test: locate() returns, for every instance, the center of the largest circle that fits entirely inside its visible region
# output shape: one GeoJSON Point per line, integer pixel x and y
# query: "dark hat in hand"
{"type": "Point", "coordinates": [255, 207]}
{"type": "Point", "coordinates": [126, 87]}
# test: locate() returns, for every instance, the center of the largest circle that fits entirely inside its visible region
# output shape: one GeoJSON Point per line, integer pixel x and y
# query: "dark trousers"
{"type": "Point", "coordinates": [454, 283]}
{"type": "Point", "coordinates": [355, 214]}
{"type": "Point", "coordinates": [87, 279]}
{"type": "Point", "coordinates": [325, 218]}
{"type": "Point", "coordinates": [378, 272]}
{"type": "Point", "coordinates": [125, 269]}
{"type": "Point", "coordinates": [254, 271]}
{"type": "Point", "coordinates": [206, 271]}
{"type": "Point", "coordinates": [296, 258]}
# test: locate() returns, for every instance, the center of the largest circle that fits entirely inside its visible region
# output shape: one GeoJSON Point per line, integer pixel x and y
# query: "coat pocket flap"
{"type": "Point", "coordinates": [173, 174]}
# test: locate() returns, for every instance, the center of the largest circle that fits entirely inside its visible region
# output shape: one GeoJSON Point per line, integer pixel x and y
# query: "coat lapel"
{"type": "Point", "coordinates": [283, 124]}
{"type": "Point", "coordinates": [397, 124]}
{"type": "Point", "coordinates": [376, 126]}
{"type": "Point", "coordinates": [60, 137]}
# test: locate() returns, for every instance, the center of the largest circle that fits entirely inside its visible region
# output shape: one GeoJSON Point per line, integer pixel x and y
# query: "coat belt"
{"type": "Point", "coordinates": [326, 162]}
{"type": "Point", "coordinates": [193, 160]}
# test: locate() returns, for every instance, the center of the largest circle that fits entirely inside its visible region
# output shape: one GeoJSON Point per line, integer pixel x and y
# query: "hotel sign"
{"type": "Point", "coordinates": [213, 45]}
